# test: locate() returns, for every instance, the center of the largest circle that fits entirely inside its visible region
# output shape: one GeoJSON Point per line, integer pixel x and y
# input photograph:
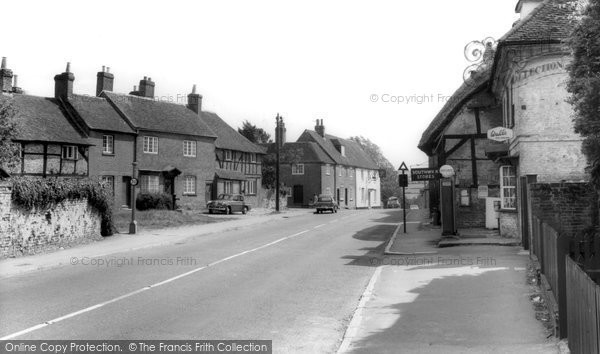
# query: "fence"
{"type": "Point", "coordinates": [583, 309]}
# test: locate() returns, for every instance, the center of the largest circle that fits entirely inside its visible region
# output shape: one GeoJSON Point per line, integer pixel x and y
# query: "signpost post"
{"type": "Point", "coordinates": [403, 181]}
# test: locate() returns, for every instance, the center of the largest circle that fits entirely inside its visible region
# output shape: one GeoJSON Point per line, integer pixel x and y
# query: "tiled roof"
{"type": "Point", "coordinates": [98, 113]}
{"type": "Point", "coordinates": [227, 137]}
{"type": "Point", "coordinates": [149, 114]}
{"type": "Point", "coordinates": [549, 21]}
{"type": "Point", "coordinates": [458, 99]}
{"type": "Point", "coordinates": [42, 119]}
{"type": "Point", "coordinates": [304, 151]}
{"type": "Point", "coordinates": [355, 155]}
{"type": "Point", "coordinates": [231, 175]}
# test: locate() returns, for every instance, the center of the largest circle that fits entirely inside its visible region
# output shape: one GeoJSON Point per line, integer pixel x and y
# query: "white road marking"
{"type": "Point", "coordinates": [357, 316]}
{"type": "Point", "coordinates": [319, 226]}
{"type": "Point", "coordinates": [119, 298]}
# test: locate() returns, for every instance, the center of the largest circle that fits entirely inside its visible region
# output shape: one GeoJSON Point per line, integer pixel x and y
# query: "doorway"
{"type": "Point", "coordinates": [346, 196]}
{"type": "Point", "coordinates": [524, 213]}
{"type": "Point", "coordinates": [126, 190]}
{"type": "Point", "coordinates": [298, 194]}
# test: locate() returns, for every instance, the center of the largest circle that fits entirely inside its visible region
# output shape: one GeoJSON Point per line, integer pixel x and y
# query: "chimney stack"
{"type": "Point", "coordinates": [63, 83]}
{"type": "Point", "coordinates": [146, 87]}
{"type": "Point", "coordinates": [524, 7]}
{"type": "Point", "coordinates": [104, 81]}
{"type": "Point", "coordinates": [195, 101]}
{"type": "Point", "coordinates": [320, 128]}
{"type": "Point", "coordinates": [6, 77]}
{"type": "Point", "coordinates": [280, 132]}
{"type": "Point", "coordinates": [15, 87]}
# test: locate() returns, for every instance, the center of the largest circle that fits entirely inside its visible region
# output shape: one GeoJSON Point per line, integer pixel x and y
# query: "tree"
{"type": "Point", "coordinates": [254, 134]}
{"type": "Point", "coordinates": [584, 85]}
{"type": "Point", "coordinates": [287, 156]}
{"type": "Point", "coordinates": [9, 151]}
{"type": "Point", "coordinates": [389, 182]}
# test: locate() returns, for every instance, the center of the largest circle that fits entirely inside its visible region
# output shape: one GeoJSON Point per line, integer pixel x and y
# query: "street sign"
{"type": "Point", "coordinates": [403, 180]}
{"type": "Point", "coordinates": [424, 174]}
{"type": "Point", "coordinates": [447, 171]}
{"type": "Point", "coordinates": [133, 182]}
{"type": "Point", "coordinates": [403, 167]}
{"type": "Point", "coordinates": [500, 134]}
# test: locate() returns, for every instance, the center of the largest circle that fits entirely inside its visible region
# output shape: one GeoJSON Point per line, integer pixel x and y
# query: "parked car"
{"type": "Point", "coordinates": [326, 202]}
{"type": "Point", "coordinates": [393, 202]}
{"type": "Point", "coordinates": [228, 203]}
{"type": "Point", "coordinates": [414, 207]}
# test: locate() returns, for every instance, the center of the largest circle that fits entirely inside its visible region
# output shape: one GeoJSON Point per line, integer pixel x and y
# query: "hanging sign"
{"type": "Point", "coordinates": [500, 134]}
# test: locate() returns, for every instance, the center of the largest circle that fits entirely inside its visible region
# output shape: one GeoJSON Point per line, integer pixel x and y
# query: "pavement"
{"type": "Point", "coordinates": [463, 299]}
{"type": "Point", "coordinates": [143, 239]}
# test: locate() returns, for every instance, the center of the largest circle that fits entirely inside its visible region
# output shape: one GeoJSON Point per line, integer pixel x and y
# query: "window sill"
{"type": "Point", "coordinates": [150, 153]}
{"type": "Point", "coordinates": [508, 211]}
{"type": "Point", "coordinates": [189, 156]}
{"type": "Point", "coordinates": [190, 194]}
{"type": "Point", "coordinates": [108, 154]}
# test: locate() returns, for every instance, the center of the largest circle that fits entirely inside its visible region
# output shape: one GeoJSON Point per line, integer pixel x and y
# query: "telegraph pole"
{"type": "Point", "coordinates": [277, 145]}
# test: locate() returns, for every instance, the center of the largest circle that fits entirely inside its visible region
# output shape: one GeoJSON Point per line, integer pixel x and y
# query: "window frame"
{"type": "Point", "coordinates": [145, 185]}
{"type": "Point", "coordinates": [189, 148]}
{"type": "Point", "coordinates": [147, 145]}
{"type": "Point", "coordinates": [251, 186]}
{"type": "Point", "coordinates": [298, 169]}
{"type": "Point", "coordinates": [105, 144]}
{"type": "Point", "coordinates": [503, 188]}
{"type": "Point", "coordinates": [228, 155]}
{"type": "Point", "coordinates": [327, 169]}
{"type": "Point", "coordinates": [194, 185]}
{"type": "Point", "coordinates": [72, 152]}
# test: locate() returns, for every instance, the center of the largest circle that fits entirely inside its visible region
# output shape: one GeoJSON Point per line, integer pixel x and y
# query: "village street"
{"type": "Point", "coordinates": [296, 281]}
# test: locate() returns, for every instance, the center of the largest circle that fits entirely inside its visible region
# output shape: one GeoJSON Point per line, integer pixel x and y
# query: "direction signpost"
{"type": "Point", "coordinates": [403, 181]}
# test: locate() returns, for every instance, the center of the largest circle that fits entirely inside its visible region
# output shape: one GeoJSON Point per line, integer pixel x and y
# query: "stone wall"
{"type": "Point", "coordinates": [25, 232]}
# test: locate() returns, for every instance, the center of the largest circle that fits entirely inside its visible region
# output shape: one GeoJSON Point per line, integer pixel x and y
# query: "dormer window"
{"type": "Point", "coordinates": [343, 150]}
{"type": "Point", "coordinates": [228, 155]}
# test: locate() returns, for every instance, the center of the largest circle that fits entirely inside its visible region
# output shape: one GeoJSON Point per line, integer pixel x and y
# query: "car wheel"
{"type": "Point", "coordinates": [228, 210]}
{"type": "Point", "coordinates": [244, 210]}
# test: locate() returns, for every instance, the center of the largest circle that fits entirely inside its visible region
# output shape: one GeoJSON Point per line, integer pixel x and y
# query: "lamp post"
{"type": "Point", "coordinates": [277, 145]}
{"type": "Point", "coordinates": [403, 182]}
{"type": "Point", "coordinates": [133, 182]}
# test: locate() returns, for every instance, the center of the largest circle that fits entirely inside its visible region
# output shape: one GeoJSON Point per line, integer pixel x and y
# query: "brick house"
{"type": "Point", "coordinates": [238, 162]}
{"type": "Point", "coordinates": [173, 146]}
{"type": "Point", "coordinates": [319, 163]}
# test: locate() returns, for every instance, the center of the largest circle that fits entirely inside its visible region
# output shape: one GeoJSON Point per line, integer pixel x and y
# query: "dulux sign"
{"type": "Point", "coordinates": [500, 134]}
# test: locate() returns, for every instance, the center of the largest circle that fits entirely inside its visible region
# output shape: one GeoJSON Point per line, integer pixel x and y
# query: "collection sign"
{"type": "Point", "coordinates": [424, 174]}
{"type": "Point", "coordinates": [500, 134]}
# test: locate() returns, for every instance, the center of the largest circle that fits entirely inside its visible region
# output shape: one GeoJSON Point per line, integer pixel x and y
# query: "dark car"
{"type": "Point", "coordinates": [326, 202]}
{"type": "Point", "coordinates": [393, 202]}
{"type": "Point", "coordinates": [228, 203]}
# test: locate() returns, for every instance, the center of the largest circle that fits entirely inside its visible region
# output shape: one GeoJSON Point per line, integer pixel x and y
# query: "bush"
{"type": "Point", "coordinates": [146, 201]}
{"type": "Point", "coordinates": [38, 193]}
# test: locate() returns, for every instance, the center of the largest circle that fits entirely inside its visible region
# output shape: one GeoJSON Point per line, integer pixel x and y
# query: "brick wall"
{"type": "Point", "coordinates": [567, 207]}
{"type": "Point", "coordinates": [24, 232]}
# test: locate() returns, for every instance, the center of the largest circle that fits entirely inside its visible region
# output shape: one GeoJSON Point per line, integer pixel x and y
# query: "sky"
{"type": "Point", "coordinates": [378, 69]}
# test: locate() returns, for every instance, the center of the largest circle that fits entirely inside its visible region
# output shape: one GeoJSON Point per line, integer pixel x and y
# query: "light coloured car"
{"type": "Point", "coordinates": [228, 203]}
{"type": "Point", "coordinates": [393, 202]}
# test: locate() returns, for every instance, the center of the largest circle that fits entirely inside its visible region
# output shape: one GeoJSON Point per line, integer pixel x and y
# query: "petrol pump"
{"type": "Point", "coordinates": [447, 203]}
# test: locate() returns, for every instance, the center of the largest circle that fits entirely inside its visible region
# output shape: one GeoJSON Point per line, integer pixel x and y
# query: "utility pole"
{"type": "Point", "coordinates": [277, 145]}
{"type": "Point", "coordinates": [133, 182]}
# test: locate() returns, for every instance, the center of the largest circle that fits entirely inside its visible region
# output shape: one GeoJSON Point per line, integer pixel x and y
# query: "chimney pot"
{"type": "Point", "coordinates": [134, 88]}
{"type": "Point", "coordinates": [103, 68]}
{"type": "Point", "coordinates": [16, 81]}
{"type": "Point", "coordinates": [68, 69]}
{"type": "Point", "coordinates": [3, 63]}
{"type": "Point", "coordinates": [108, 69]}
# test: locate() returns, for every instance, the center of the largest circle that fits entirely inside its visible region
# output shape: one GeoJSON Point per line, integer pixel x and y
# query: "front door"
{"type": "Point", "coordinates": [298, 194]}
{"type": "Point", "coordinates": [126, 190]}
{"type": "Point", "coordinates": [346, 196]}
{"type": "Point", "coordinates": [208, 192]}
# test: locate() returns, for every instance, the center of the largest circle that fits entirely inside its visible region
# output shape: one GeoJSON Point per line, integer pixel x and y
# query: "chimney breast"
{"type": "Point", "coordinates": [146, 87]}
{"type": "Point", "coordinates": [6, 77]}
{"type": "Point", "coordinates": [194, 101]}
{"type": "Point", "coordinates": [104, 81]}
{"type": "Point", "coordinates": [63, 83]}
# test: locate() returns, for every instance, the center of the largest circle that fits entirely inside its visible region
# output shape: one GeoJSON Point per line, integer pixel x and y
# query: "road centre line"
{"type": "Point", "coordinates": [127, 295]}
